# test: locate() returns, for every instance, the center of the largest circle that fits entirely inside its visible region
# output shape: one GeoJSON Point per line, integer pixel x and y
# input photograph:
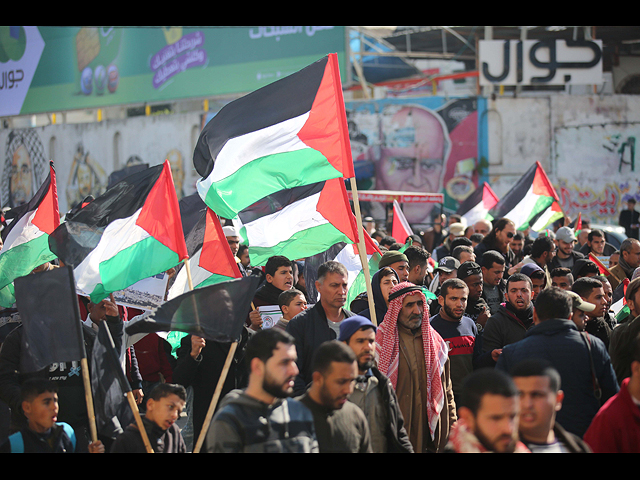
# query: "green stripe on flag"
{"type": "Point", "coordinates": [144, 259]}
{"type": "Point", "coordinates": [302, 244]}
{"type": "Point", "coordinates": [22, 259]}
{"type": "Point", "coordinates": [230, 195]}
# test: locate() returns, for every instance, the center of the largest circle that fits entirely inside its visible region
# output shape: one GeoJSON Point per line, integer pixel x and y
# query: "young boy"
{"type": "Point", "coordinates": [164, 406]}
{"type": "Point", "coordinates": [43, 434]}
{"type": "Point", "coordinates": [291, 302]}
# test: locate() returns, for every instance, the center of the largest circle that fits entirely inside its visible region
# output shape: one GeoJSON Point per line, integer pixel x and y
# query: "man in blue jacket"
{"type": "Point", "coordinates": [588, 379]}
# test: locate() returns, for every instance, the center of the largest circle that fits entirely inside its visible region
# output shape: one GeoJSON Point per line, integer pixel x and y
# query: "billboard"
{"type": "Point", "coordinates": [45, 69]}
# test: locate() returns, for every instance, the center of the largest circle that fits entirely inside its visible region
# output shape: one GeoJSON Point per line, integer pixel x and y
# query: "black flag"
{"type": "Point", "coordinates": [48, 306]}
{"type": "Point", "coordinates": [215, 312]}
{"type": "Point", "coordinates": [109, 386]}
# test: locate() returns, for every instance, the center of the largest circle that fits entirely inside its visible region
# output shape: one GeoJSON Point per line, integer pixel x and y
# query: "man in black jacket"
{"type": "Point", "coordinates": [321, 322]}
{"type": "Point", "coordinates": [373, 392]}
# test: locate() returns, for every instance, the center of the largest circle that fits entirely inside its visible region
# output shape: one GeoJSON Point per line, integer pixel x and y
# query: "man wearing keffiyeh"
{"type": "Point", "coordinates": [406, 341]}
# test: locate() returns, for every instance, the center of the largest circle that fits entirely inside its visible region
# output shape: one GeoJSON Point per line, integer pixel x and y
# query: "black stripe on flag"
{"type": "Point", "coordinates": [73, 240]}
{"type": "Point", "coordinates": [15, 214]}
{"type": "Point", "coordinates": [277, 201]}
{"type": "Point", "coordinates": [471, 201]}
{"type": "Point", "coordinates": [215, 312]}
{"type": "Point", "coordinates": [281, 100]}
{"type": "Point", "coordinates": [514, 196]}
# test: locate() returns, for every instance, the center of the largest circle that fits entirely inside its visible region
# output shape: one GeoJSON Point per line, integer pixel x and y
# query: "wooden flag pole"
{"type": "Point", "coordinates": [362, 251]}
{"type": "Point", "coordinates": [89, 398]}
{"type": "Point", "coordinates": [216, 396]}
{"type": "Point", "coordinates": [136, 414]}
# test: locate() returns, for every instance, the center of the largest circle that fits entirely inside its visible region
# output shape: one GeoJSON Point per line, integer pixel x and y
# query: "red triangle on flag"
{"type": "Point", "coordinates": [47, 217]}
{"type": "Point", "coordinates": [216, 255]}
{"type": "Point", "coordinates": [400, 229]}
{"type": "Point", "coordinates": [326, 128]}
{"type": "Point", "coordinates": [335, 207]}
{"type": "Point", "coordinates": [160, 215]}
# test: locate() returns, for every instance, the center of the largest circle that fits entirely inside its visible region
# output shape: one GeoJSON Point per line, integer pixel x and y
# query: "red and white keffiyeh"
{"type": "Point", "coordinates": [435, 350]}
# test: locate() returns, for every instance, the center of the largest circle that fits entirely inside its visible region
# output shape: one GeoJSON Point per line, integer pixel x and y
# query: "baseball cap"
{"type": "Point", "coordinates": [580, 303]}
{"type": "Point", "coordinates": [528, 268]}
{"type": "Point", "coordinates": [448, 264]}
{"type": "Point", "coordinates": [456, 229]}
{"type": "Point", "coordinates": [566, 234]}
{"type": "Point", "coordinates": [469, 268]}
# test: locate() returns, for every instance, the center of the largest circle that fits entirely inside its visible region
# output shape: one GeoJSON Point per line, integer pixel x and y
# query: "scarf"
{"type": "Point", "coordinates": [628, 269]}
{"type": "Point", "coordinates": [435, 350]}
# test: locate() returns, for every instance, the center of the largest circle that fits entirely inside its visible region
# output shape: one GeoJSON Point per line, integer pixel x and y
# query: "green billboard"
{"type": "Point", "coordinates": [44, 69]}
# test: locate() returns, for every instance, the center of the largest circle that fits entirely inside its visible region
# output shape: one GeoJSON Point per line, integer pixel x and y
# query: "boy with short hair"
{"type": "Point", "coordinates": [164, 406]}
{"type": "Point", "coordinates": [291, 303]}
{"type": "Point", "coordinates": [43, 433]}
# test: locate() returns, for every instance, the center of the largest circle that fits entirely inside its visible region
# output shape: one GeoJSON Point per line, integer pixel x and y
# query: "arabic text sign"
{"type": "Point", "coordinates": [533, 62]}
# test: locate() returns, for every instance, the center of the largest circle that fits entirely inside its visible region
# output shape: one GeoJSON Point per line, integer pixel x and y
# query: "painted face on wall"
{"type": "Point", "coordinates": [21, 177]}
{"type": "Point", "coordinates": [413, 157]}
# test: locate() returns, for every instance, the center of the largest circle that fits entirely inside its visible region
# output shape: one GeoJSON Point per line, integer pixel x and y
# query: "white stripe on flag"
{"type": "Point", "coordinates": [522, 211]}
{"type": "Point", "coordinates": [119, 235]}
{"type": "Point", "coordinates": [240, 151]}
{"type": "Point", "coordinates": [270, 230]}
{"type": "Point", "coordinates": [22, 232]}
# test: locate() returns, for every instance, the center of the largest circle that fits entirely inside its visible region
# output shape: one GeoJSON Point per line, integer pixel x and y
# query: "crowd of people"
{"type": "Point", "coordinates": [478, 338]}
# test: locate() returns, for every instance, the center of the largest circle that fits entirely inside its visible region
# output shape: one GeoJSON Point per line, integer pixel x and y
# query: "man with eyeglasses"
{"type": "Point", "coordinates": [373, 391]}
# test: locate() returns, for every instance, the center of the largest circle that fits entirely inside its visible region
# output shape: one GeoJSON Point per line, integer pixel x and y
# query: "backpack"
{"type": "Point", "coordinates": [17, 442]}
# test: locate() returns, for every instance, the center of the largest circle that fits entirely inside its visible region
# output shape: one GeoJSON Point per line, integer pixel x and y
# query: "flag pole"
{"type": "Point", "coordinates": [216, 396]}
{"type": "Point", "coordinates": [362, 251]}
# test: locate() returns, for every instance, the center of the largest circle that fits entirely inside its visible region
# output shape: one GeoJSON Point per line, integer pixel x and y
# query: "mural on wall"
{"type": "Point", "coordinates": [84, 158]}
{"type": "Point", "coordinates": [426, 145]}
{"type": "Point", "coordinates": [25, 168]}
{"type": "Point", "coordinates": [87, 177]}
{"type": "Point", "coordinates": [596, 170]}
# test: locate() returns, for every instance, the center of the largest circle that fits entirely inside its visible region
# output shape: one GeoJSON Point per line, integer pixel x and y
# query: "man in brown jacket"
{"type": "Point", "coordinates": [415, 358]}
{"type": "Point", "coordinates": [629, 261]}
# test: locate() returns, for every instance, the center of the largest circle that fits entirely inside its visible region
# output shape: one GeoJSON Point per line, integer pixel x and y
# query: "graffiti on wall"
{"type": "Point", "coordinates": [83, 165]}
{"type": "Point", "coordinates": [424, 145]}
{"type": "Point", "coordinates": [596, 170]}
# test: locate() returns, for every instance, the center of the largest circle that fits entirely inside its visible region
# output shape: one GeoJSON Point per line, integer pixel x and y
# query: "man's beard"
{"type": "Point", "coordinates": [510, 448]}
{"type": "Point", "coordinates": [276, 390]}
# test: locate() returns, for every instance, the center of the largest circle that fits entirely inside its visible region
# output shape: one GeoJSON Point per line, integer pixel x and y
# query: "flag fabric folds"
{"type": "Point", "coordinates": [26, 237]}
{"type": "Point", "coordinates": [210, 257]}
{"type": "Point", "coordinates": [215, 312]}
{"type": "Point", "coordinates": [476, 206]}
{"type": "Point", "coordinates": [298, 222]}
{"type": "Point", "coordinates": [290, 133]}
{"type": "Point", "coordinates": [400, 228]}
{"type": "Point", "coordinates": [48, 306]}
{"type": "Point", "coordinates": [131, 232]}
{"type": "Point", "coordinates": [528, 199]}
{"type": "Point", "coordinates": [109, 386]}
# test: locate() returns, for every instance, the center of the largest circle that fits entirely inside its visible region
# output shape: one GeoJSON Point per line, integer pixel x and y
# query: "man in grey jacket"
{"type": "Point", "coordinates": [261, 418]}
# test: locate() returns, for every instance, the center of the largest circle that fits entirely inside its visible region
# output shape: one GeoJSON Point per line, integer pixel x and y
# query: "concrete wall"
{"type": "Point", "coordinates": [586, 143]}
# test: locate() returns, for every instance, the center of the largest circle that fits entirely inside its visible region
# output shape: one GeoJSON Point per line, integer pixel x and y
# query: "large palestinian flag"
{"type": "Point", "coordinates": [476, 206]}
{"type": "Point", "coordinates": [291, 133]}
{"type": "Point", "coordinates": [210, 257]}
{"type": "Point", "coordinates": [26, 237]}
{"type": "Point", "coordinates": [298, 222]}
{"type": "Point", "coordinates": [528, 199]}
{"type": "Point", "coordinates": [131, 232]}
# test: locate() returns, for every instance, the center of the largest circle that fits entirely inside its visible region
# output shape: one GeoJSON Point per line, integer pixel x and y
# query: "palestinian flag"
{"type": "Point", "coordinates": [131, 232]}
{"type": "Point", "coordinates": [400, 228]}
{"type": "Point", "coordinates": [26, 237]}
{"type": "Point", "coordinates": [348, 255]}
{"type": "Point", "coordinates": [210, 257]}
{"type": "Point", "coordinates": [288, 134]}
{"type": "Point", "coordinates": [298, 222]}
{"type": "Point", "coordinates": [603, 269]}
{"type": "Point", "coordinates": [476, 206]}
{"type": "Point", "coordinates": [528, 199]}
{"type": "Point", "coordinates": [547, 218]}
